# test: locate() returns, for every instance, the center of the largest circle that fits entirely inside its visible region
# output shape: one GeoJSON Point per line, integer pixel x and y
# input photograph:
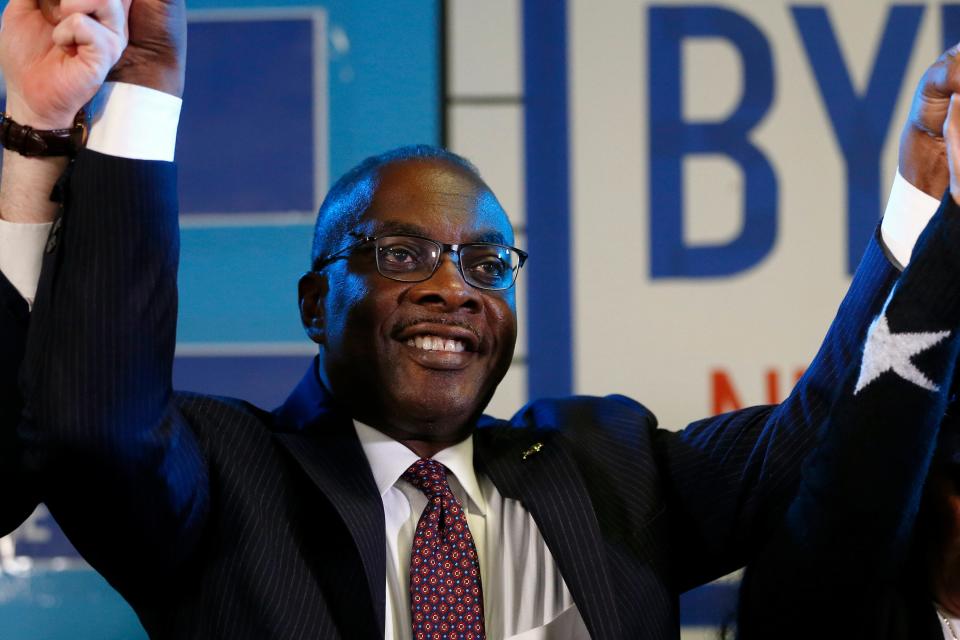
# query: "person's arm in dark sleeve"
{"type": "Point", "coordinates": [730, 478]}
{"type": "Point", "coordinates": [844, 541]}
{"type": "Point", "coordinates": [121, 470]}
{"type": "Point", "coordinates": [834, 564]}
{"type": "Point", "coordinates": [26, 214]}
{"type": "Point", "coordinates": [118, 466]}
{"type": "Point", "coordinates": [18, 496]}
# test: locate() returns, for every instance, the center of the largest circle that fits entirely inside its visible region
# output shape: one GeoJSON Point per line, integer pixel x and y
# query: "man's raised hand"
{"type": "Point", "coordinates": [157, 51]}
{"type": "Point", "coordinates": [951, 136]}
{"type": "Point", "coordinates": [923, 160]}
{"type": "Point", "coordinates": [52, 70]}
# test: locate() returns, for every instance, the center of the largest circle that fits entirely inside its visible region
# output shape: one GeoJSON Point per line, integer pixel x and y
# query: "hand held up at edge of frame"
{"type": "Point", "coordinates": [922, 159]}
{"type": "Point", "coordinates": [951, 134]}
{"type": "Point", "coordinates": [157, 51]}
{"type": "Point", "coordinates": [53, 70]}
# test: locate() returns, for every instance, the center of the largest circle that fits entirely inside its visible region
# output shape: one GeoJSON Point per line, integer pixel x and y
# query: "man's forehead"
{"type": "Point", "coordinates": [426, 180]}
{"type": "Point", "coordinates": [434, 196]}
{"type": "Point", "coordinates": [399, 226]}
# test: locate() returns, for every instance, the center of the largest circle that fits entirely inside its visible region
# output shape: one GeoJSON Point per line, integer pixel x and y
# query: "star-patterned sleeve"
{"type": "Point", "coordinates": [836, 566]}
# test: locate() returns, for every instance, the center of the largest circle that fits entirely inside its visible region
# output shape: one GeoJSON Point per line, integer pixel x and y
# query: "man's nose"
{"type": "Point", "coordinates": [446, 290]}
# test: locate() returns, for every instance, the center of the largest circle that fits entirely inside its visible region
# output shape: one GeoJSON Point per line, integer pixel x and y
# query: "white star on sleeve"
{"type": "Point", "coordinates": [886, 351]}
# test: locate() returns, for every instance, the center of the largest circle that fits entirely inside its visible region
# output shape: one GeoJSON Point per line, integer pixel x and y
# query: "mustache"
{"type": "Point", "coordinates": [435, 319]}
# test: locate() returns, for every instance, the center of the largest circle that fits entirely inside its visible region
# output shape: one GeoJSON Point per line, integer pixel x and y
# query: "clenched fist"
{"type": "Point", "coordinates": [55, 58]}
{"type": "Point", "coordinates": [923, 159]}
{"type": "Point", "coordinates": [951, 136]}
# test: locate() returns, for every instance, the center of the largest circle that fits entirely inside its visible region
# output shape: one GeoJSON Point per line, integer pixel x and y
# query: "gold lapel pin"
{"type": "Point", "coordinates": [537, 446]}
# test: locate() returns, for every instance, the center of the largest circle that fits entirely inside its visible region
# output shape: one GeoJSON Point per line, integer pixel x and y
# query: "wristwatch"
{"type": "Point", "coordinates": [31, 142]}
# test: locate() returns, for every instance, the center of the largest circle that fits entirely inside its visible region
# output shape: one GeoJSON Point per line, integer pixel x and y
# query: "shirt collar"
{"type": "Point", "coordinates": [389, 459]}
{"type": "Point", "coordinates": [459, 460]}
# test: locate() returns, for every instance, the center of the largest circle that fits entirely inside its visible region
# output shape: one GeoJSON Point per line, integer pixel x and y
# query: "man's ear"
{"type": "Point", "coordinates": [313, 291]}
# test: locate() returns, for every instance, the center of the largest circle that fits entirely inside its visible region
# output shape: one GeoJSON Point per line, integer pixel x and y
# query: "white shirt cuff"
{"type": "Point", "coordinates": [907, 213]}
{"type": "Point", "coordinates": [131, 121]}
{"type": "Point", "coordinates": [21, 254]}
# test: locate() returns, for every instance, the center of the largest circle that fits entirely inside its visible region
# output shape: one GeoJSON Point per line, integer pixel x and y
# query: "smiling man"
{"type": "Point", "coordinates": [437, 329]}
{"type": "Point", "coordinates": [377, 501]}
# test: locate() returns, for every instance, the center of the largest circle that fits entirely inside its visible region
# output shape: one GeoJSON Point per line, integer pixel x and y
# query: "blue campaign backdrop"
{"type": "Point", "coordinates": [249, 110]}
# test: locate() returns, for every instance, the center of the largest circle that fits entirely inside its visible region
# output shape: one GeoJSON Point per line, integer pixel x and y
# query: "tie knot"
{"type": "Point", "coordinates": [429, 476]}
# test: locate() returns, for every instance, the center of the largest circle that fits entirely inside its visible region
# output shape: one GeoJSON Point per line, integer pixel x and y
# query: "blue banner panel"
{"type": "Point", "coordinates": [246, 138]}
{"type": "Point", "coordinates": [384, 72]}
{"type": "Point", "coordinates": [546, 143]}
{"type": "Point", "coordinates": [239, 284]}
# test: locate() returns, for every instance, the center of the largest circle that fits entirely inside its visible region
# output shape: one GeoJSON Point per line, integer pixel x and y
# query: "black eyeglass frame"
{"type": "Point", "coordinates": [342, 254]}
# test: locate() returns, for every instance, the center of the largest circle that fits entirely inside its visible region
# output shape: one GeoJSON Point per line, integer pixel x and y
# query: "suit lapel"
{"type": "Point", "coordinates": [324, 444]}
{"type": "Point", "coordinates": [547, 482]}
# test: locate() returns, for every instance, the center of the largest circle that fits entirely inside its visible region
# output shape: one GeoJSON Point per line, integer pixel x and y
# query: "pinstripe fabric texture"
{"type": "Point", "coordinates": [18, 499]}
{"type": "Point", "coordinates": [216, 519]}
{"type": "Point", "coordinates": [852, 557]}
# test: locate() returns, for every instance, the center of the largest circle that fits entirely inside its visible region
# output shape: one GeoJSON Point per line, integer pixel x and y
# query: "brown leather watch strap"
{"type": "Point", "coordinates": [31, 142]}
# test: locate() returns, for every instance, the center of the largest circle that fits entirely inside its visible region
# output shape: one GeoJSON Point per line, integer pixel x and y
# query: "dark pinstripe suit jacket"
{"type": "Point", "coordinates": [17, 496]}
{"type": "Point", "coordinates": [216, 519]}
{"type": "Point", "coordinates": [851, 558]}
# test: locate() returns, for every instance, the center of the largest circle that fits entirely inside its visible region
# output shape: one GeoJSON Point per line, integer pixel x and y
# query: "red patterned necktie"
{"type": "Point", "coordinates": [446, 598]}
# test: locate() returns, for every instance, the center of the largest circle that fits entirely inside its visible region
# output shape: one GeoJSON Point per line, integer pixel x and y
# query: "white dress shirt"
{"type": "Point", "coordinates": [525, 597]}
{"type": "Point", "coordinates": [908, 211]}
{"type": "Point", "coordinates": [21, 254]}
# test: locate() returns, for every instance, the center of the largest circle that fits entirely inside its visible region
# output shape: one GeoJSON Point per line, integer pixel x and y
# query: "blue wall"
{"type": "Point", "coordinates": [384, 91]}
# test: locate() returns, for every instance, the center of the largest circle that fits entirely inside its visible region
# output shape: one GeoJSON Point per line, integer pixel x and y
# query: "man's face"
{"type": "Point", "coordinates": [380, 337]}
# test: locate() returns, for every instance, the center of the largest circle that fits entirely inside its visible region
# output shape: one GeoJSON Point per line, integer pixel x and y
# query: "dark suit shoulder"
{"type": "Point", "coordinates": [225, 425]}
{"type": "Point", "coordinates": [201, 403]}
{"type": "Point", "coordinates": [598, 431]}
{"type": "Point", "coordinates": [610, 441]}
{"type": "Point", "coordinates": [574, 412]}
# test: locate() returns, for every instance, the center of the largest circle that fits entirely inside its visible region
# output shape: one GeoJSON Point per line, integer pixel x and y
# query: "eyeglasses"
{"type": "Point", "coordinates": [410, 258]}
